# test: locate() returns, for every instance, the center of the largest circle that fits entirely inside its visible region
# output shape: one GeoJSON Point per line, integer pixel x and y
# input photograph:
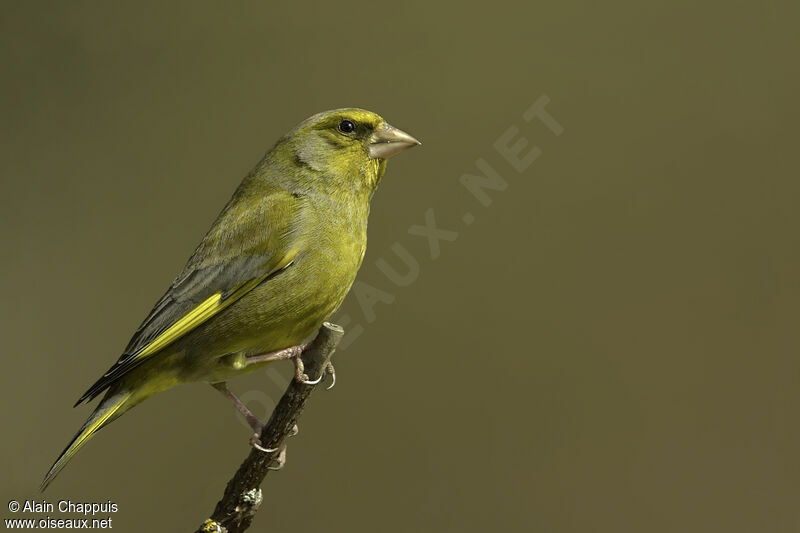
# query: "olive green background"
{"type": "Point", "coordinates": [611, 345]}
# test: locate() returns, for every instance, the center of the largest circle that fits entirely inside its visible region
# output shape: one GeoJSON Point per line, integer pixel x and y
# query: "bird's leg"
{"type": "Point", "coordinates": [252, 420]}
{"type": "Point", "coordinates": [256, 424]}
{"type": "Point", "coordinates": [278, 355]}
{"type": "Point", "coordinates": [292, 353]}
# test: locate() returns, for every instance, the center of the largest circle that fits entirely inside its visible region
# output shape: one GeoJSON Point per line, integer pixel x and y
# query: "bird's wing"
{"type": "Point", "coordinates": [245, 247]}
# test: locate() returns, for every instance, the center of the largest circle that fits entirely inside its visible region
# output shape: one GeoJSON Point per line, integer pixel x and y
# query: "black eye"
{"type": "Point", "coordinates": [347, 126]}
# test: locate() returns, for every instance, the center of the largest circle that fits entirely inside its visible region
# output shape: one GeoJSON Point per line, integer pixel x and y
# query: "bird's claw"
{"type": "Point", "coordinates": [281, 459]}
{"type": "Point", "coordinates": [299, 372]}
{"type": "Point", "coordinates": [306, 381]}
{"type": "Point", "coordinates": [332, 371]}
{"type": "Point", "coordinates": [255, 442]}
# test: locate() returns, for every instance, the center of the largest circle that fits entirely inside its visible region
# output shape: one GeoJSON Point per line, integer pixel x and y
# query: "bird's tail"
{"type": "Point", "coordinates": [113, 405]}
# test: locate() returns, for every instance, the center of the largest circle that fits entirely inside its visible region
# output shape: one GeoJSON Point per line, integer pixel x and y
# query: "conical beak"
{"type": "Point", "coordinates": [388, 141]}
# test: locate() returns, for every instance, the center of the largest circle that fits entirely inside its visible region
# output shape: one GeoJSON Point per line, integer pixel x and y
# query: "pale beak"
{"type": "Point", "coordinates": [388, 141]}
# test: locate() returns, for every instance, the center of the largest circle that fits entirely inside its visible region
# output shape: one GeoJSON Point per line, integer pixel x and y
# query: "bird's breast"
{"type": "Point", "coordinates": [295, 302]}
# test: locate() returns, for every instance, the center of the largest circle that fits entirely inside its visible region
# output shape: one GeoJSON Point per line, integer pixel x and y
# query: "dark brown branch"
{"type": "Point", "coordinates": [242, 497]}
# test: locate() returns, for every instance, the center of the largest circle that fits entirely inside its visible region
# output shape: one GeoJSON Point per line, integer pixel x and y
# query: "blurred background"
{"type": "Point", "coordinates": [609, 345]}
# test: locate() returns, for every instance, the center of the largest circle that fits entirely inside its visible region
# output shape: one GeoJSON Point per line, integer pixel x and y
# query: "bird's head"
{"type": "Point", "coordinates": [350, 143]}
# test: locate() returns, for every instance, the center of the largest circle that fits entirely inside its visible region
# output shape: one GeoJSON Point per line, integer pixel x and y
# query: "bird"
{"type": "Point", "coordinates": [276, 263]}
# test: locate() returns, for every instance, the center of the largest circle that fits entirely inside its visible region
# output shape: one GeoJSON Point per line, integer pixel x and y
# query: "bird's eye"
{"type": "Point", "coordinates": [347, 126]}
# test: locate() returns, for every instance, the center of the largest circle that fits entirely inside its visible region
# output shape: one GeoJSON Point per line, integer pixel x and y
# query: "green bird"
{"type": "Point", "coordinates": [278, 261]}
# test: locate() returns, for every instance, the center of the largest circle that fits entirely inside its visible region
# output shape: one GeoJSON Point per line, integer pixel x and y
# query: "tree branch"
{"type": "Point", "coordinates": [242, 497]}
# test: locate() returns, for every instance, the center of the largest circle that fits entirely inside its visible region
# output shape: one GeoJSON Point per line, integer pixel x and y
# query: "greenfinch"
{"type": "Point", "coordinates": [277, 262]}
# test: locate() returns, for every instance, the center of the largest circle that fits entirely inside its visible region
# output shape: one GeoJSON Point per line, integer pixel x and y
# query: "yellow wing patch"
{"type": "Point", "coordinates": [205, 310]}
{"type": "Point", "coordinates": [190, 320]}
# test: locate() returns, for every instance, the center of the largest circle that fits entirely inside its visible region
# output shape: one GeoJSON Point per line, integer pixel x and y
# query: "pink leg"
{"type": "Point", "coordinates": [292, 353]}
{"type": "Point", "coordinates": [256, 424]}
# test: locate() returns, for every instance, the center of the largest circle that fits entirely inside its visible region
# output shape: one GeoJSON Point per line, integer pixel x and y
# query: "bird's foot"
{"type": "Point", "coordinates": [280, 460]}
{"type": "Point", "coordinates": [255, 442]}
{"type": "Point", "coordinates": [295, 354]}
{"type": "Point", "coordinates": [299, 372]}
{"type": "Point", "coordinates": [329, 370]}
